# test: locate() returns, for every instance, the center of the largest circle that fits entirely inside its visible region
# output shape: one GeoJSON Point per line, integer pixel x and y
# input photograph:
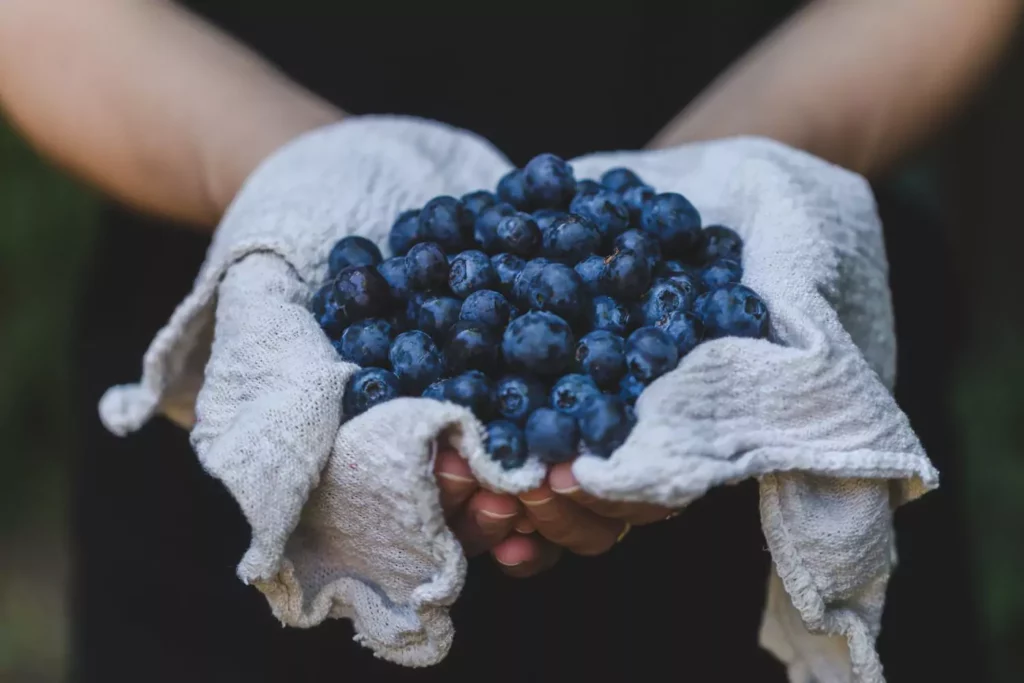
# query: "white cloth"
{"type": "Point", "coordinates": [346, 521]}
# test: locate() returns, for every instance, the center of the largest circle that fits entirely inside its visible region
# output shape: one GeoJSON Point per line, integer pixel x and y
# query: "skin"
{"type": "Point", "coordinates": [146, 102]}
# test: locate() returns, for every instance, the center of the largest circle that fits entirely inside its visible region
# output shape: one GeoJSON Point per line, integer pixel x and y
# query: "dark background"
{"type": "Point", "coordinates": [957, 197]}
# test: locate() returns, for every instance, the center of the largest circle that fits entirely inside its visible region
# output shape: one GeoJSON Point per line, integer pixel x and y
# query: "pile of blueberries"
{"type": "Point", "coordinates": [545, 307]}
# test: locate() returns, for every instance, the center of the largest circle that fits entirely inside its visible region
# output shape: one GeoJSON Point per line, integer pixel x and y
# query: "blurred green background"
{"type": "Point", "coordinates": [48, 224]}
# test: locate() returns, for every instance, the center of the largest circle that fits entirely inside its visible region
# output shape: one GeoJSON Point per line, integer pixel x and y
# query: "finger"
{"type": "Point", "coordinates": [524, 526]}
{"type": "Point", "coordinates": [486, 520]}
{"type": "Point", "coordinates": [569, 525]}
{"type": "Point", "coordinates": [521, 556]}
{"type": "Point", "coordinates": [562, 482]}
{"type": "Point", "coordinates": [454, 479]}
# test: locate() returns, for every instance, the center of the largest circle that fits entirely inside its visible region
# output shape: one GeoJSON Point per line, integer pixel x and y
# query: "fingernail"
{"type": "Point", "coordinates": [457, 478]}
{"type": "Point", "coordinates": [507, 564]}
{"type": "Point", "coordinates": [497, 515]}
{"type": "Point", "coordinates": [524, 527]}
{"type": "Point", "coordinates": [535, 503]}
{"type": "Point", "coordinates": [562, 482]}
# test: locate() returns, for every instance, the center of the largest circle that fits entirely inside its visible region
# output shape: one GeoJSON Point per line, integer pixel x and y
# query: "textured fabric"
{"type": "Point", "coordinates": [346, 522]}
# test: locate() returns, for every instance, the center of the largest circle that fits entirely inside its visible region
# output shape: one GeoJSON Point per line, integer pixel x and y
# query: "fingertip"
{"type": "Point", "coordinates": [495, 505]}
{"type": "Point", "coordinates": [562, 481]}
{"type": "Point", "coordinates": [537, 496]}
{"type": "Point", "coordinates": [515, 551]}
{"type": "Point", "coordinates": [453, 467]}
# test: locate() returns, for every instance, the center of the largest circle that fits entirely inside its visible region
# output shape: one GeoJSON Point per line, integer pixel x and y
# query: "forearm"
{"type": "Point", "coordinates": [859, 83]}
{"type": "Point", "coordinates": [146, 101]}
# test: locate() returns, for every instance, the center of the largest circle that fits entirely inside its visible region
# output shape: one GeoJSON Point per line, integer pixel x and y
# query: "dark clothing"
{"type": "Point", "coordinates": [157, 540]}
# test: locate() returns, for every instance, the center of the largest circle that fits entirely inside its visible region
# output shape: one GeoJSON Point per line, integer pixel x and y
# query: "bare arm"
{"type": "Point", "coordinates": [857, 82]}
{"type": "Point", "coordinates": [146, 101]}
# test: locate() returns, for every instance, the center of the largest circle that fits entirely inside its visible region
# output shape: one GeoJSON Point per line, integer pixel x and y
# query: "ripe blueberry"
{"type": "Point", "coordinates": [471, 346]}
{"type": "Point", "coordinates": [366, 388]}
{"type": "Point", "coordinates": [549, 182]}
{"type": "Point", "coordinates": [674, 221]}
{"type": "Point", "coordinates": [571, 239]}
{"type": "Point", "coordinates": [604, 424]}
{"type": "Point", "coordinates": [551, 436]}
{"type": "Point", "coordinates": [361, 292]}
{"type": "Point", "coordinates": [437, 314]}
{"type": "Point", "coordinates": [444, 221]}
{"type": "Point", "coordinates": [650, 353]}
{"type": "Point", "coordinates": [519, 234]}
{"type": "Point", "coordinates": [471, 271]}
{"type": "Point", "coordinates": [571, 392]}
{"type": "Point", "coordinates": [538, 342]}
{"type": "Point", "coordinates": [486, 306]}
{"type": "Point", "coordinates": [734, 311]}
{"type": "Point", "coordinates": [602, 356]}
{"type": "Point", "coordinates": [506, 444]}
{"type": "Point", "coordinates": [366, 343]}
{"type": "Point", "coordinates": [427, 267]}
{"type": "Point", "coordinates": [416, 361]}
{"type": "Point", "coordinates": [405, 232]}
{"type": "Point", "coordinates": [518, 396]}
{"type": "Point", "coordinates": [352, 251]}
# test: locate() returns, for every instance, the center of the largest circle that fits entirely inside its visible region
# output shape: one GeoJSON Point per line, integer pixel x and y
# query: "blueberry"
{"type": "Point", "coordinates": [507, 267]}
{"type": "Point", "coordinates": [602, 356]}
{"type": "Point", "coordinates": [587, 186]}
{"type": "Point", "coordinates": [650, 353]}
{"type": "Point", "coordinates": [444, 221]}
{"type": "Point", "coordinates": [471, 271]}
{"type": "Point", "coordinates": [604, 424]}
{"type": "Point", "coordinates": [329, 315]}
{"type": "Point", "coordinates": [474, 390]}
{"type": "Point", "coordinates": [549, 182]}
{"type": "Point", "coordinates": [474, 203]}
{"type": "Point", "coordinates": [361, 292]}
{"type": "Point", "coordinates": [630, 389]}
{"type": "Point", "coordinates": [610, 315]}
{"type": "Point", "coordinates": [518, 396]}
{"type": "Point", "coordinates": [571, 392]}
{"type": "Point", "coordinates": [538, 342]}
{"type": "Point", "coordinates": [606, 210]}
{"type": "Point", "coordinates": [669, 267]}
{"type": "Point", "coordinates": [485, 229]}
{"type": "Point", "coordinates": [627, 275]}
{"type": "Point", "coordinates": [698, 304]}
{"type": "Point", "coordinates": [664, 297]}
{"type": "Point", "coordinates": [734, 311]}
{"type": "Point", "coordinates": [416, 361]}
{"type": "Point", "coordinates": [619, 179]}
{"type": "Point", "coordinates": [506, 444]}
{"type": "Point", "coordinates": [519, 234]}
{"type": "Point", "coordinates": [405, 232]}
{"type": "Point", "coordinates": [551, 436]}
{"type": "Point", "coordinates": [352, 251]}
{"type": "Point", "coordinates": [436, 390]}
{"type": "Point", "coordinates": [720, 273]}
{"type": "Point", "coordinates": [559, 289]}
{"type": "Point", "coordinates": [642, 243]}
{"type": "Point", "coordinates": [396, 272]}
{"type": "Point", "coordinates": [427, 266]}
{"type": "Point", "coordinates": [511, 189]}
{"type": "Point", "coordinates": [471, 346]}
{"type": "Point", "coordinates": [720, 242]}
{"type": "Point", "coordinates": [685, 328]}
{"type": "Point", "coordinates": [367, 388]}
{"type": "Point", "coordinates": [526, 276]}
{"type": "Point", "coordinates": [487, 307]}
{"type": "Point", "coordinates": [636, 198]}
{"type": "Point", "coordinates": [571, 239]}
{"type": "Point", "coordinates": [545, 217]}
{"type": "Point", "coordinates": [366, 343]}
{"type": "Point", "coordinates": [674, 221]}
{"type": "Point", "coordinates": [589, 270]}
{"type": "Point", "coordinates": [437, 314]}
{"type": "Point", "coordinates": [689, 284]}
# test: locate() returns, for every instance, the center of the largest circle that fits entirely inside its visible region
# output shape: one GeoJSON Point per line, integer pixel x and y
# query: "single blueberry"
{"type": "Point", "coordinates": [571, 392]}
{"type": "Point", "coordinates": [587, 186]}
{"type": "Point", "coordinates": [664, 297]}
{"type": "Point", "coordinates": [511, 190]}
{"type": "Point", "coordinates": [471, 346]}
{"type": "Point", "coordinates": [674, 221]}
{"type": "Point", "coordinates": [470, 272]}
{"type": "Point", "coordinates": [650, 353]}
{"type": "Point", "coordinates": [525, 279]}
{"type": "Point", "coordinates": [602, 356]}
{"type": "Point", "coordinates": [519, 234]}
{"type": "Point", "coordinates": [589, 270]}
{"type": "Point", "coordinates": [485, 229]}
{"type": "Point", "coordinates": [474, 203]}
{"type": "Point", "coordinates": [545, 217]}
{"type": "Point", "coordinates": [720, 273]}
{"type": "Point", "coordinates": [436, 315]}
{"type": "Point", "coordinates": [551, 436]}
{"type": "Point", "coordinates": [361, 292]}
{"type": "Point", "coordinates": [472, 389]}
{"type": "Point", "coordinates": [416, 361]}
{"type": "Point", "coordinates": [538, 342]}
{"type": "Point", "coordinates": [506, 444]}
{"type": "Point", "coordinates": [518, 396]}
{"type": "Point", "coordinates": [619, 179]}
{"type": "Point", "coordinates": [606, 210]}
{"type": "Point", "coordinates": [720, 242]}
{"type": "Point", "coordinates": [436, 390]}
{"type": "Point", "coordinates": [690, 285]}
{"type": "Point", "coordinates": [627, 275]}
{"type": "Point", "coordinates": [610, 315]}
{"type": "Point", "coordinates": [571, 239]}
{"type": "Point", "coordinates": [507, 267]}
{"type": "Point", "coordinates": [486, 306]}
{"type": "Point", "coordinates": [630, 389]}
{"type": "Point", "coordinates": [444, 221]}
{"type": "Point", "coordinates": [642, 243]}
{"type": "Point", "coordinates": [560, 290]}
{"type": "Point", "coordinates": [549, 182]}
{"type": "Point", "coordinates": [685, 328]}
{"type": "Point", "coordinates": [396, 272]}
{"type": "Point", "coordinates": [427, 266]}
{"type": "Point", "coordinates": [328, 314]}
{"type": "Point", "coordinates": [734, 311]}
{"type": "Point", "coordinates": [604, 424]}
{"type": "Point", "coordinates": [405, 232]}
{"type": "Point", "coordinates": [636, 198]}
{"type": "Point", "coordinates": [366, 343]}
{"type": "Point", "coordinates": [366, 388]}
{"type": "Point", "coordinates": [352, 251]}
